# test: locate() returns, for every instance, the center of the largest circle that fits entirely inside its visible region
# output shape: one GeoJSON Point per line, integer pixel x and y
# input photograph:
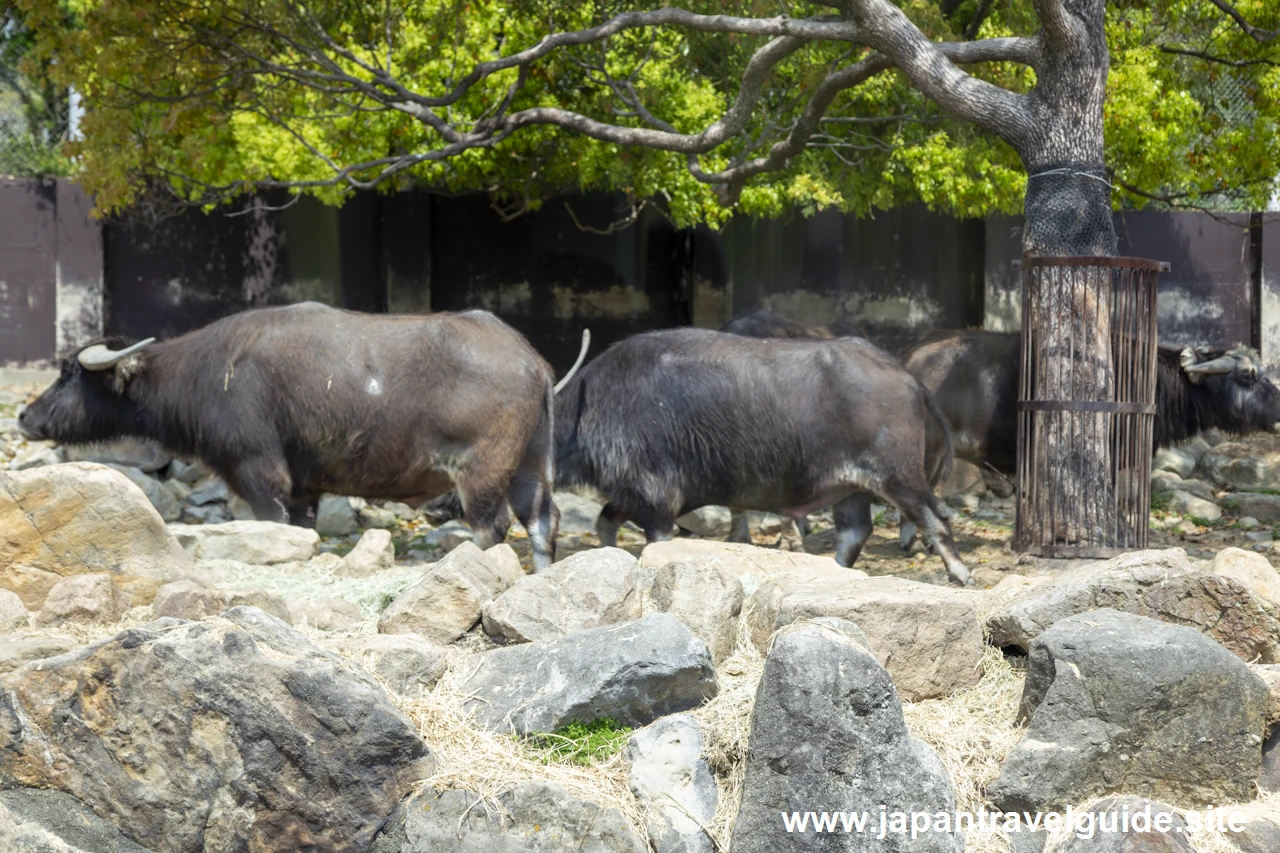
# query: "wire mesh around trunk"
{"type": "Point", "coordinates": [1086, 405]}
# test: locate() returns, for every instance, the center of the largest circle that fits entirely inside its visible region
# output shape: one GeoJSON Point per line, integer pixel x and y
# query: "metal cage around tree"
{"type": "Point", "coordinates": [1086, 405]}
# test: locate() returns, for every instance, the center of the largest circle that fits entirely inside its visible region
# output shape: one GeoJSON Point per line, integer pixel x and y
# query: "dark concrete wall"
{"type": "Point", "coordinates": [28, 270]}
{"type": "Point", "coordinates": [896, 276]}
{"type": "Point", "coordinates": [1206, 298]}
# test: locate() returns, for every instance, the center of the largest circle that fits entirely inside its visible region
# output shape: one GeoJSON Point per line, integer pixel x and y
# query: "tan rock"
{"type": "Point", "coordinates": [90, 598]}
{"type": "Point", "coordinates": [928, 637]}
{"type": "Point", "coordinates": [70, 519]}
{"type": "Point", "coordinates": [590, 589]}
{"type": "Point", "coordinates": [447, 601]}
{"type": "Point", "coordinates": [707, 599]}
{"type": "Point", "coordinates": [259, 543]}
{"type": "Point", "coordinates": [373, 553]}
{"type": "Point", "coordinates": [23, 650]}
{"type": "Point", "coordinates": [187, 600]}
{"type": "Point", "coordinates": [325, 614]}
{"type": "Point", "coordinates": [1251, 569]}
{"type": "Point", "coordinates": [748, 563]}
{"type": "Point", "coordinates": [13, 613]}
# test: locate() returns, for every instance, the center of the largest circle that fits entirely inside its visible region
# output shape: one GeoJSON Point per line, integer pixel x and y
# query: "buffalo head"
{"type": "Point", "coordinates": [88, 402]}
{"type": "Point", "coordinates": [1233, 394]}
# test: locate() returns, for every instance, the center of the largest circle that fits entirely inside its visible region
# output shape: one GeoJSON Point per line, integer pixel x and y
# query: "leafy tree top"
{"type": "Point", "coordinates": [748, 106]}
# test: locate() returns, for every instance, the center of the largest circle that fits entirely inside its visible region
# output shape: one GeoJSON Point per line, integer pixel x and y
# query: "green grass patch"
{"type": "Point", "coordinates": [1160, 502]}
{"type": "Point", "coordinates": [581, 743]}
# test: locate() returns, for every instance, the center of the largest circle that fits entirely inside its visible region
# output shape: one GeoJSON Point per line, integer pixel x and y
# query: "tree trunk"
{"type": "Point", "coordinates": [1068, 212]}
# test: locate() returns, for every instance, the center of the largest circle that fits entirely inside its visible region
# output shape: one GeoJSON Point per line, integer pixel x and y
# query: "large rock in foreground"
{"type": "Point", "coordinates": [1158, 584]}
{"type": "Point", "coordinates": [1125, 704]}
{"type": "Point", "coordinates": [63, 520]}
{"type": "Point", "coordinates": [671, 779]}
{"type": "Point", "coordinates": [36, 821]}
{"type": "Point", "coordinates": [828, 735]}
{"type": "Point", "coordinates": [746, 562]}
{"type": "Point", "coordinates": [634, 672]}
{"type": "Point", "coordinates": [258, 543]}
{"type": "Point", "coordinates": [533, 817]}
{"type": "Point", "coordinates": [589, 589]}
{"type": "Point", "coordinates": [927, 636]}
{"type": "Point", "coordinates": [234, 734]}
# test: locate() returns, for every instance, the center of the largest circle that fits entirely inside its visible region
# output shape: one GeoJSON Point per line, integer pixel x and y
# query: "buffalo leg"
{"type": "Point", "coordinates": [918, 505]}
{"type": "Point", "coordinates": [853, 527]}
{"type": "Point", "coordinates": [607, 524]}
{"type": "Point", "coordinates": [530, 498]}
{"type": "Point", "coordinates": [303, 511]}
{"type": "Point", "coordinates": [264, 483]}
{"type": "Point", "coordinates": [485, 509]}
{"type": "Point", "coordinates": [791, 539]}
{"type": "Point", "coordinates": [906, 535]}
{"type": "Point", "coordinates": [739, 528]}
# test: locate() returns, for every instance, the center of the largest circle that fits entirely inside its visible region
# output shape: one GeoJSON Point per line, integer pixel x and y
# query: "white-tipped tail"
{"type": "Point", "coordinates": [582, 354]}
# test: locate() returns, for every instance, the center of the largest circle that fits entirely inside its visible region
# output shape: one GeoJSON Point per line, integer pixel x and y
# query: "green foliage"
{"type": "Point", "coordinates": [171, 96]}
{"type": "Point", "coordinates": [581, 743]}
{"type": "Point", "coordinates": [33, 109]}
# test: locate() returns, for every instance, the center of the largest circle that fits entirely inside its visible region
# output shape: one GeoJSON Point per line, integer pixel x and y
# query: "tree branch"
{"type": "Point", "coordinates": [1250, 30]}
{"type": "Point", "coordinates": [1221, 60]}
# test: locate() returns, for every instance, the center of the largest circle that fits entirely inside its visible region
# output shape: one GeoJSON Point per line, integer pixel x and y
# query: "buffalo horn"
{"type": "Point", "coordinates": [1222, 364]}
{"type": "Point", "coordinates": [102, 357]}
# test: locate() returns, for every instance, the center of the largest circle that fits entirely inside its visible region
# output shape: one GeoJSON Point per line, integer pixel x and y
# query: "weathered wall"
{"type": "Point", "coordinates": [1207, 297]}
{"type": "Point", "coordinates": [50, 270]}
{"type": "Point", "coordinates": [1269, 287]}
{"type": "Point", "coordinates": [895, 276]}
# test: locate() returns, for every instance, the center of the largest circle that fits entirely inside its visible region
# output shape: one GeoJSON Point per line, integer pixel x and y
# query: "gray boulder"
{"type": "Point", "coordinates": [210, 489]}
{"type": "Point", "coordinates": [129, 452]}
{"type": "Point", "coordinates": [589, 589]}
{"type": "Point", "coordinates": [1185, 503]}
{"type": "Point", "coordinates": [1263, 507]}
{"type": "Point", "coordinates": [673, 782]}
{"type": "Point", "coordinates": [187, 472]}
{"type": "Point", "coordinates": [376, 518]}
{"type": "Point", "coordinates": [335, 516]}
{"type": "Point", "coordinates": [634, 673]}
{"type": "Point", "coordinates": [229, 734]}
{"type": "Point", "coordinates": [577, 514]}
{"type": "Point", "coordinates": [188, 600]}
{"type": "Point", "coordinates": [447, 601]}
{"type": "Point", "coordinates": [1152, 828]}
{"type": "Point", "coordinates": [1175, 460]}
{"type": "Point", "coordinates": [1242, 465]}
{"type": "Point", "coordinates": [712, 521]}
{"type": "Point", "coordinates": [448, 536]}
{"type": "Point", "coordinates": [1158, 584]}
{"type": "Point", "coordinates": [1120, 703]}
{"type": "Point", "coordinates": [705, 598]}
{"type": "Point", "coordinates": [1259, 836]}
{"type": "Point", "coordinates": [828, 734]}
{"type": "Point", "coordinates": [1268, 776]}
{"type": "Point", "coordinates": [927, 636]}
{"type": "Point", "coordinates": [405, 662]}
{"type": "Point", "coordinates": [214, 513]}
{"type": "Point", "coordinates": [258, 543]}
{"type": "Point", "coordinates": [36, 821]}
{"type": "Point", "coordinates": [161, 498]}
{"type": "Point", "coordinates": [532, 817]}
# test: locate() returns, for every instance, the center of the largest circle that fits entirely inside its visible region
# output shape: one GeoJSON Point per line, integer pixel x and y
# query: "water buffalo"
{"type": "Point", "coordinates": [765, 324]}
{"type": "Point", "coordinates": [286, 403]}
{"type": "Point", "coordinates": [668, 421]}
{"type": "Point", "coordinates": [974, 376]}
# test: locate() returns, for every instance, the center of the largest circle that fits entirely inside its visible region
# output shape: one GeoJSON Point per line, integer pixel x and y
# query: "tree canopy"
{"type": "Point", "coordinates": [214, 97]}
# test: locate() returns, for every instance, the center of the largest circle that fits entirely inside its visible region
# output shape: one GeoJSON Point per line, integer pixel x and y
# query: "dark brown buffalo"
{"type": "Point", "coordinates": [286, 403]}
{"type": "Point", "coordinates": [974, 377]}
{"type": "Point", "coordinates": [665, 422]}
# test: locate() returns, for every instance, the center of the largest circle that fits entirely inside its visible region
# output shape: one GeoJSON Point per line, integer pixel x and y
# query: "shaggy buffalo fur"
{"type": "Point", "coordinates": [974, 376]}
{"type": "Point", "coordinates": [286, 403]}
{"type": "Point", "coordinates": [665, 422]}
